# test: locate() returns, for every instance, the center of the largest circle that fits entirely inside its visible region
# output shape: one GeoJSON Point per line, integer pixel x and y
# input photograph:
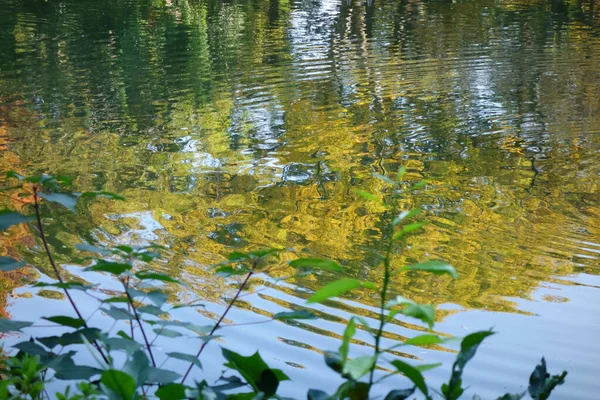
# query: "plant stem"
{"type": "Point", "coordinates": [237, 295]}
{"type": "Point", "coordinates": [38, 217]}
{"type": "Point", "coordinates": [383, 295]}
{"type": "Point", "coordinates": [137, 318]}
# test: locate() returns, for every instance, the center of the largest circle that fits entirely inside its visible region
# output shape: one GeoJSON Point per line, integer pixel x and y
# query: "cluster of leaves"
{"type": "Point", "coordinates": [144, 305]}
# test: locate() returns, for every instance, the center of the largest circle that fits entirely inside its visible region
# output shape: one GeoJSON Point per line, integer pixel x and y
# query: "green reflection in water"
{"type": "Point", "coordinates": [240, 123]}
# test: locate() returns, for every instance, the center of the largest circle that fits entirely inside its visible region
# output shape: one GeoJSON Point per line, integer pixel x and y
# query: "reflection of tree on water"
{"type": "Point", "coordinates": [272, 112]}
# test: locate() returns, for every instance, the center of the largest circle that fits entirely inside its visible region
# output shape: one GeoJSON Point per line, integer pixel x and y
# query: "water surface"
{"type": "Point", "coordinates": [233, 125]}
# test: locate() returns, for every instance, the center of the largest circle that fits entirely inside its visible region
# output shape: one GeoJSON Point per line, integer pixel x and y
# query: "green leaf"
{"type": "Point", "coordinates": [161, 376]}
{"type": "Point", "coordinates": [367, 195]}
{"type": "Point", "coordinates": [468, 347]}
{"type": "Point", "coordinates": [9, 325]}
{"type": "Point", "coordinates": [358, 367]}
{"type": "Point", "coordinates": [32, 348]}
{"type": "Point", "coordinates": [66, 339]}
{"type": "Point", "coordinates": [400, 394]}
{"type": "Point", "coordinates": [65, 369]}
{"type": "Point", "coordinates": [158, 297]}
{"type": "Point", "coordinates": [335, 289]}
{"type": "Point", "coordinates": [385, 179]}
{"type": "Point", "coordinates": [298, 314]}
{"type": "Point", "coordinates": [110, 267]}
{"type": "Point", "coordinates": [268, 383]}
{"type": "Point", "coordinates": [137, 366]}
{"type": "Point", "coordinates": [251, 368]}
{"type": "Point", "coordinates": [64, 285]}
{"type": "Point", "coordinates": [418, 185]}
{"type": "Point", "coordinates": [314, 394]}
{"type": "Point", "coordinates": [118, 313]}
{"type": "Point", "coordinates": [150, 309]}
{"type": "Point", "coordinates": [541, 384]}
{"type": "Point", "coordinates": [349, 333]}
{"type": "Point", "coordinates": [404, 215]}
{"type": "Point", "coordinates": [237, 256]}
{"type": "Point", "coordinates": [263, 252]}
{"type": "Point", "coordinates": [407, 229]}
{"type": "Point", "coordinates": [155, 276]}
{"type": "Point", "coordinates": [104, 195]}
{"type": "Point", "coordinates": [334, 361]}
{"type": "Point", "coordinates": [119, 384]}
{"type": "Point", "coordinates": [425, 313]}
{"type": "Point", "coordinates": [125, 344]}
{"type": "Point", "coordinates": [509, 396]}
{"type": "Point", "coordinates": [167, 332]}
{"type": "Point", "coordinates": [401, 172]}
{"type": "Point", "coordinates": [125, 249]}
{"type": "Point", "coordinates": [424, 340]}
{"type": "Point", "coordinates": [13, 174]}
{"type": "Point", "coordinates": [9, 218]}
{"type": "Point", "coordinates": [413, 374]}
{"type": "Point", "coordinates": [326, 265]}
{"type": "Point", "coordinates": [435, 267]}
{"type": "Point", "coordinates": [226, 272]}
{"type": "Point", "coordinates": [173, 391]}
{"type": "Point", "coordinates": [67, 321]}
{"type": "Point", "coordinates": [62, 199]}
{"type": "Point", "coordinates": [92, 249]}
{"type": "Point", "coordinates": [427, 367]}
{"type": "Point", "coordinates": [186, 357]}
{"type": "Point", "coordinates": [10, 264]}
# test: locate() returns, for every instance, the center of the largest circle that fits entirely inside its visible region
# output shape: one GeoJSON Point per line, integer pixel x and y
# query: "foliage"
{"type": "Point", "coordinates": [36, 362]}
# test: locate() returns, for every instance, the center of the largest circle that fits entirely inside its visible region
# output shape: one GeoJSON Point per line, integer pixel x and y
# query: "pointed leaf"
{"type": "Point", "coordinates": [349, 333]}
{"type": "Point", "coordinates": [358, 367]}
{"type": "Point", "coordinates": [9, 325]}
{"type": "Point", "coordinates": [118, 313]}
{"type": "Point", "coordinates": [62, 199]}
{"type": "Point", "coordinates": [161, 376]}
{"type": "Point", "coordinates": [110, 267]}
{"type": "Point", "coordinates": [119, 383]}
{"type": "Point", "coordinates": [298, 314]}
{"type": "Point", "coordinates": [155, 276]}
{"type": "Point", "coordinates": [104, 195]}
{"type": "Point", "coordinates": [424, 340]}
{"type": "Point", "coordinates": [327, 265]}
{"type": "Point", "coordinates": [67, 321]}
{"type": "Point", "coordinates": [407, 229]}
{"type": "Point", "coordinates": [401, 172]}
{"type": "Point", "coordinates": [435, 267]}
{"type": "Point", "coordinates": [413, 374]}
{"type": "Point", "coordinates": [400, 394]}
{"type": "Point", "coordinates": [367, 195]}
{"type": "Point", "coordinates": [172, 391]}
{"type": "Point", "coordinates": [385, 179]}
{"type": "Point", "coordinates": [186, 357]}
{"type": "Point", "coordinates": [314, 394]}
{"type": "Point", "coordinates": [9, 218]}
{"type": "Point", "coordinates": [335, 289]}
{"type": "Point", "coordinates": [10, 264]}
{"type": "Point", "coordinates": [425, 313]}
{"type": "Point", "coordinates": [404, 215]}
{"type": "Point", "coordinates": [167, 332]}
{"type": "Point", "coordinates": [226, 272]}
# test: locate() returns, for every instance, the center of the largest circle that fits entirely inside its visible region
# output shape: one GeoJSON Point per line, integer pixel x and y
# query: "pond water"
{"type": "Point", "coordinates": [232, 125]}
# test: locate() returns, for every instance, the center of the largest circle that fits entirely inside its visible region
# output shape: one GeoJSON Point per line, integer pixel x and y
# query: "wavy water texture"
{"type": "Point", "coordinates": [240, 124]}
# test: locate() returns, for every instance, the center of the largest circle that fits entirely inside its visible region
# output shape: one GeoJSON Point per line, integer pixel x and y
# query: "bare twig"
{"type": "Point", "coordinates": [221, 318]}
{"type": "Point", "coordinates": [38, 218]}
{"type": "Point", "coordinates": [137, 318]}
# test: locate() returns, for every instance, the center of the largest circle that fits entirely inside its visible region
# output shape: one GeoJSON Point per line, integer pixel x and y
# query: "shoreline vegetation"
{"type": "Point", "coordinates": [128, 365]}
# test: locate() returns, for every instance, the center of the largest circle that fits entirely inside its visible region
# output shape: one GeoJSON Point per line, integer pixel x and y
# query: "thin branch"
{"type": "Point", "coordinates": [38, 218]}
{"type": "Point", "coordinates": [218, 324]}
{"type": "Point", "coordinates": [137, 318]}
